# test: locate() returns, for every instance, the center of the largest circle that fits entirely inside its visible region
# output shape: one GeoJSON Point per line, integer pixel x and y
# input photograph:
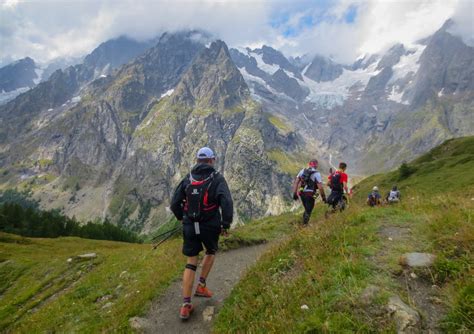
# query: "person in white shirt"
{"type": "Point", "coordinates": [304, 187]}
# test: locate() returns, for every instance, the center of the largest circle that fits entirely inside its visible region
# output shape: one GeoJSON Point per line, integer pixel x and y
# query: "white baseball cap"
{"type": "Point", "coordinates": [375, 188]}
{"type": "Point", "coordinates": [205, 153]}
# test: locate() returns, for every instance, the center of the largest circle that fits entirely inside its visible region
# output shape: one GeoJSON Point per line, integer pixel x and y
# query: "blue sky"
{"type": "Point", "coordinates": [309, 15]}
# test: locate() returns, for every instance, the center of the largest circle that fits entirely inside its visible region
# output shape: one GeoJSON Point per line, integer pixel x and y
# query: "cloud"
{"type": "Point", "coordinates": [464, 22]}
{"type": "Point", "coordinates": [45, 30]}
{"type": "Point", "coordinates": [342, 29]}
{"type": "Point", "coordinates": [352, 28]}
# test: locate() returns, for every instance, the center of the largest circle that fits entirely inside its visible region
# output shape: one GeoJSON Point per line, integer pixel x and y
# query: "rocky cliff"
{"type": "Point", "coordinates": [120, 148]}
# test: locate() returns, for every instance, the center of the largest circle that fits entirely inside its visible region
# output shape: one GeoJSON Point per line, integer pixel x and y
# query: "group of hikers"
{"type": "Point", "coordinates": [392, 197]}
{"type": "Point", "coordinates": [203, 203]}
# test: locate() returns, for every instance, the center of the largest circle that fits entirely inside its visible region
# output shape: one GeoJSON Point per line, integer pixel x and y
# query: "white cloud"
{"type": "Point", "coordinates": [48, 29]}
{"type": "Point", "coordinates": [377, 26]}
{"type": "Point", "coordinates": [464, 22]}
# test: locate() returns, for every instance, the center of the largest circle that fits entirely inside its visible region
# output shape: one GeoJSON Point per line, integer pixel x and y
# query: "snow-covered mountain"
{"type": "Point", "coordinates": [18, 77]}
{"type": "Point", "coordinates": [24, 74]}
{"type": "Point", "coordinates": [344, 109]}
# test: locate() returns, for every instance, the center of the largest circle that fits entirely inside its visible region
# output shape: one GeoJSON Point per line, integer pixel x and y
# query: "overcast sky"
{"type": "Point", "coordinates": [342, 29]}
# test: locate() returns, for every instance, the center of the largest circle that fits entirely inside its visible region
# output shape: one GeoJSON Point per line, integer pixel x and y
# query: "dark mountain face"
{"type": "Point", "coordinates": [19, 74]}
{"type": "Point", "coordinates": [274, 57]}
{"type": "Point", "coordinates": [102, 61]}
{"type": "Point", "coordinates": [115, 53]}
{"type": "Point", "coordinates": [323, 69]}
{"type": "Point", "coordinates": [446, 67]}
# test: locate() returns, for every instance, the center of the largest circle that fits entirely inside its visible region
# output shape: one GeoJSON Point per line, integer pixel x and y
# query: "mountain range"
{"type": "Point", "coordinates": [113, 135]}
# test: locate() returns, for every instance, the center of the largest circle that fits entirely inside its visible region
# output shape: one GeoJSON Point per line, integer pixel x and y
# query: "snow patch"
{"type": "Point", "coordinates": [167, 93]}
{"type": "Point", "coordinates": [270, 69]}
{"type": "Point", "coordinates": [396, 95]}
{"type": "Point", "coordinates": [8, 96]}
{"type": "Point", "coordinates": [375, 107]}
{"type": "Point", "coordinates": [50, 109]}
{"type": "Point", "coordinates": [249, 78]}
{"type": "Point", "coordinates": [103, 76]}
{"type": "Point", "coordinates": [329, 94]}
{"type": "Point", "coordinates": [441, 92]}
{"type": "Point", "coordinates": [76, 99]}
{"type": "Point", "coordinates": [306, 68]}
{"type": "Point", "coordinates": [39, 75]}
{"type": "Point", "coordinates": [408, 63]}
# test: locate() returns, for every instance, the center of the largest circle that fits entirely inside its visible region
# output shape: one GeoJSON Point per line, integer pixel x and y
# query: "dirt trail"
{"type": "Point", "coordinates": [227, 271]}
{"type": "Point", "coordinates": [423, 294]}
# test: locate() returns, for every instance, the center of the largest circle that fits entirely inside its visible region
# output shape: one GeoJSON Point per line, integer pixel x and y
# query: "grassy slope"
{"type": "Point", "coordinates": [329, 264]}
{"type": "Point", "coordinates": [40, 291]}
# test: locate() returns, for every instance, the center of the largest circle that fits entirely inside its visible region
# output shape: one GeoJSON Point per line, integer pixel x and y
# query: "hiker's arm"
{"type": "Point", "coordinates": [177, 201]}
{"type": "Point", "coordinates": [321, 191]}
{"type": "Point", "coordinates": [224, 198]}
{"type": "Point", "coordinates": [345, 187]}
{"type": "Point", "coordinates": [296, 184]}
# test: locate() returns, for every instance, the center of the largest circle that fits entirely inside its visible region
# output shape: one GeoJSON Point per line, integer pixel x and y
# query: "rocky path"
{"type": "Point", "coordinates": [227, 271]}
{"type": "Point", "coordinates": [423, 308]}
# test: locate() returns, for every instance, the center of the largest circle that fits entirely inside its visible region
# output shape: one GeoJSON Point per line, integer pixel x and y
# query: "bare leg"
{"type": "Point", "coordinates": [207, 263]}
{"type": "Point", "coordinates": [188, 277]}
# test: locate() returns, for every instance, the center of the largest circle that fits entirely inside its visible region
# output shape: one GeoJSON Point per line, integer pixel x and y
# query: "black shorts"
{"type": "Point", "coordinates": [194, 243]}
{"type": "Point", "coordinates": [334, 198]}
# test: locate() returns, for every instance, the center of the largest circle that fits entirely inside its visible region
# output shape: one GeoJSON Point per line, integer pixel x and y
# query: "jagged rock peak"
{"type": "Point", "coordinates": [392, 56]}
{"type": "Point", "coordinates": [323, 69]}
{"type": "Point", "coordinates": [18, 74]}
{"type": "Point", "coordinates": [212, 80]}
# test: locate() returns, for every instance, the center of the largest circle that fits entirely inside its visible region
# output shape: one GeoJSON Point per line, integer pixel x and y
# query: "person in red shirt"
{"type": "Point", "coordinates": [338, 184]}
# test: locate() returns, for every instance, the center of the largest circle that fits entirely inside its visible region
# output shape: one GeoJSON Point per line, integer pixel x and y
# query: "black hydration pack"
{"type": "Point", "coordinates": [197, 198]}
{"type": "Point", "coordinates": [336, 184]}
{"type": "Point", "coordinates": [307, 181]}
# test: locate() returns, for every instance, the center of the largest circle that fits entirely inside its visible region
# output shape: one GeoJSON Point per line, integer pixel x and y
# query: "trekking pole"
{"type": "Point", "coordinates": [167, 235]}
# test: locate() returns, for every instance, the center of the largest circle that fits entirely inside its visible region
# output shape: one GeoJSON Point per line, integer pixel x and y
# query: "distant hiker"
{"type": "Point", "coordinates": [338, 184]}
{"type": "Point", "coordinates": [196, 202]}
{"type": "Point", "coordinates": [305, 185]}
{"type": "Point", "coordinates": [374, 198]}
{"type": "Point", "coordinates": [393, 196]}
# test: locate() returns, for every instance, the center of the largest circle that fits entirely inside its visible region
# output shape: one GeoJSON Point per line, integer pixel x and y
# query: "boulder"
{"type": "Point", "coordinates": [138, 324]}
{"type": "Point", "coordinates": [406, 319]}
{"type": "Point", "coordinates": [87, 256]}
{"type": "Point", "coordinates": [417, 259]}
{"type": "Point", "coordinates": [208, 313]}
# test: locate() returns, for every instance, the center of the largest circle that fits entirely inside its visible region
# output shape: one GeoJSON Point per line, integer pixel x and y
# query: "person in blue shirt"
{"type": "Point", "coordinates": [374, 198]}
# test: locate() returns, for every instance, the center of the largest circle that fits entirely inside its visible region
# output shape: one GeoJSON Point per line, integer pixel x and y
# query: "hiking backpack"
{"type": "Point", "coordinates": [197, 198]}
{"type": "Point", "coordinates": [307, 181]}
{"type": "Point", "coordinates": [394, 195]}
{"type": "Point", "coordinates": [336, 184]}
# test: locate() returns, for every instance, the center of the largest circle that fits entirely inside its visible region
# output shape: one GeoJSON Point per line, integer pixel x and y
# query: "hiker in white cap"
{"type": "Point", "coordinates": [202, 201]}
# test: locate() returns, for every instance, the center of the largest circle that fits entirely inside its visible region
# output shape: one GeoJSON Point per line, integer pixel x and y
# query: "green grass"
{"type": "Point", "coordinates": [447, 168]}
{"type": "Point", "coordinates": [280, 124]}
{"type": "Point", "coordinates": [287, 163]}
{"type": "Point", "coordinates": [41, 292]}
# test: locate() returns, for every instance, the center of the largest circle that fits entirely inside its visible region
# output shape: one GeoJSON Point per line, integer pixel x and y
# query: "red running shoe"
{"type": "Point", "coordinates": [202, 291]}
{"type": "Point", "coordinates": [186, 311]}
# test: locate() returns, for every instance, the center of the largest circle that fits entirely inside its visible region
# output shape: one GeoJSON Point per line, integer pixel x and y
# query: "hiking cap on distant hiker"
{"type": "Point", "coordinates": [205, 153]}
{"type": "Point", "coordinates": [375, 188]}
